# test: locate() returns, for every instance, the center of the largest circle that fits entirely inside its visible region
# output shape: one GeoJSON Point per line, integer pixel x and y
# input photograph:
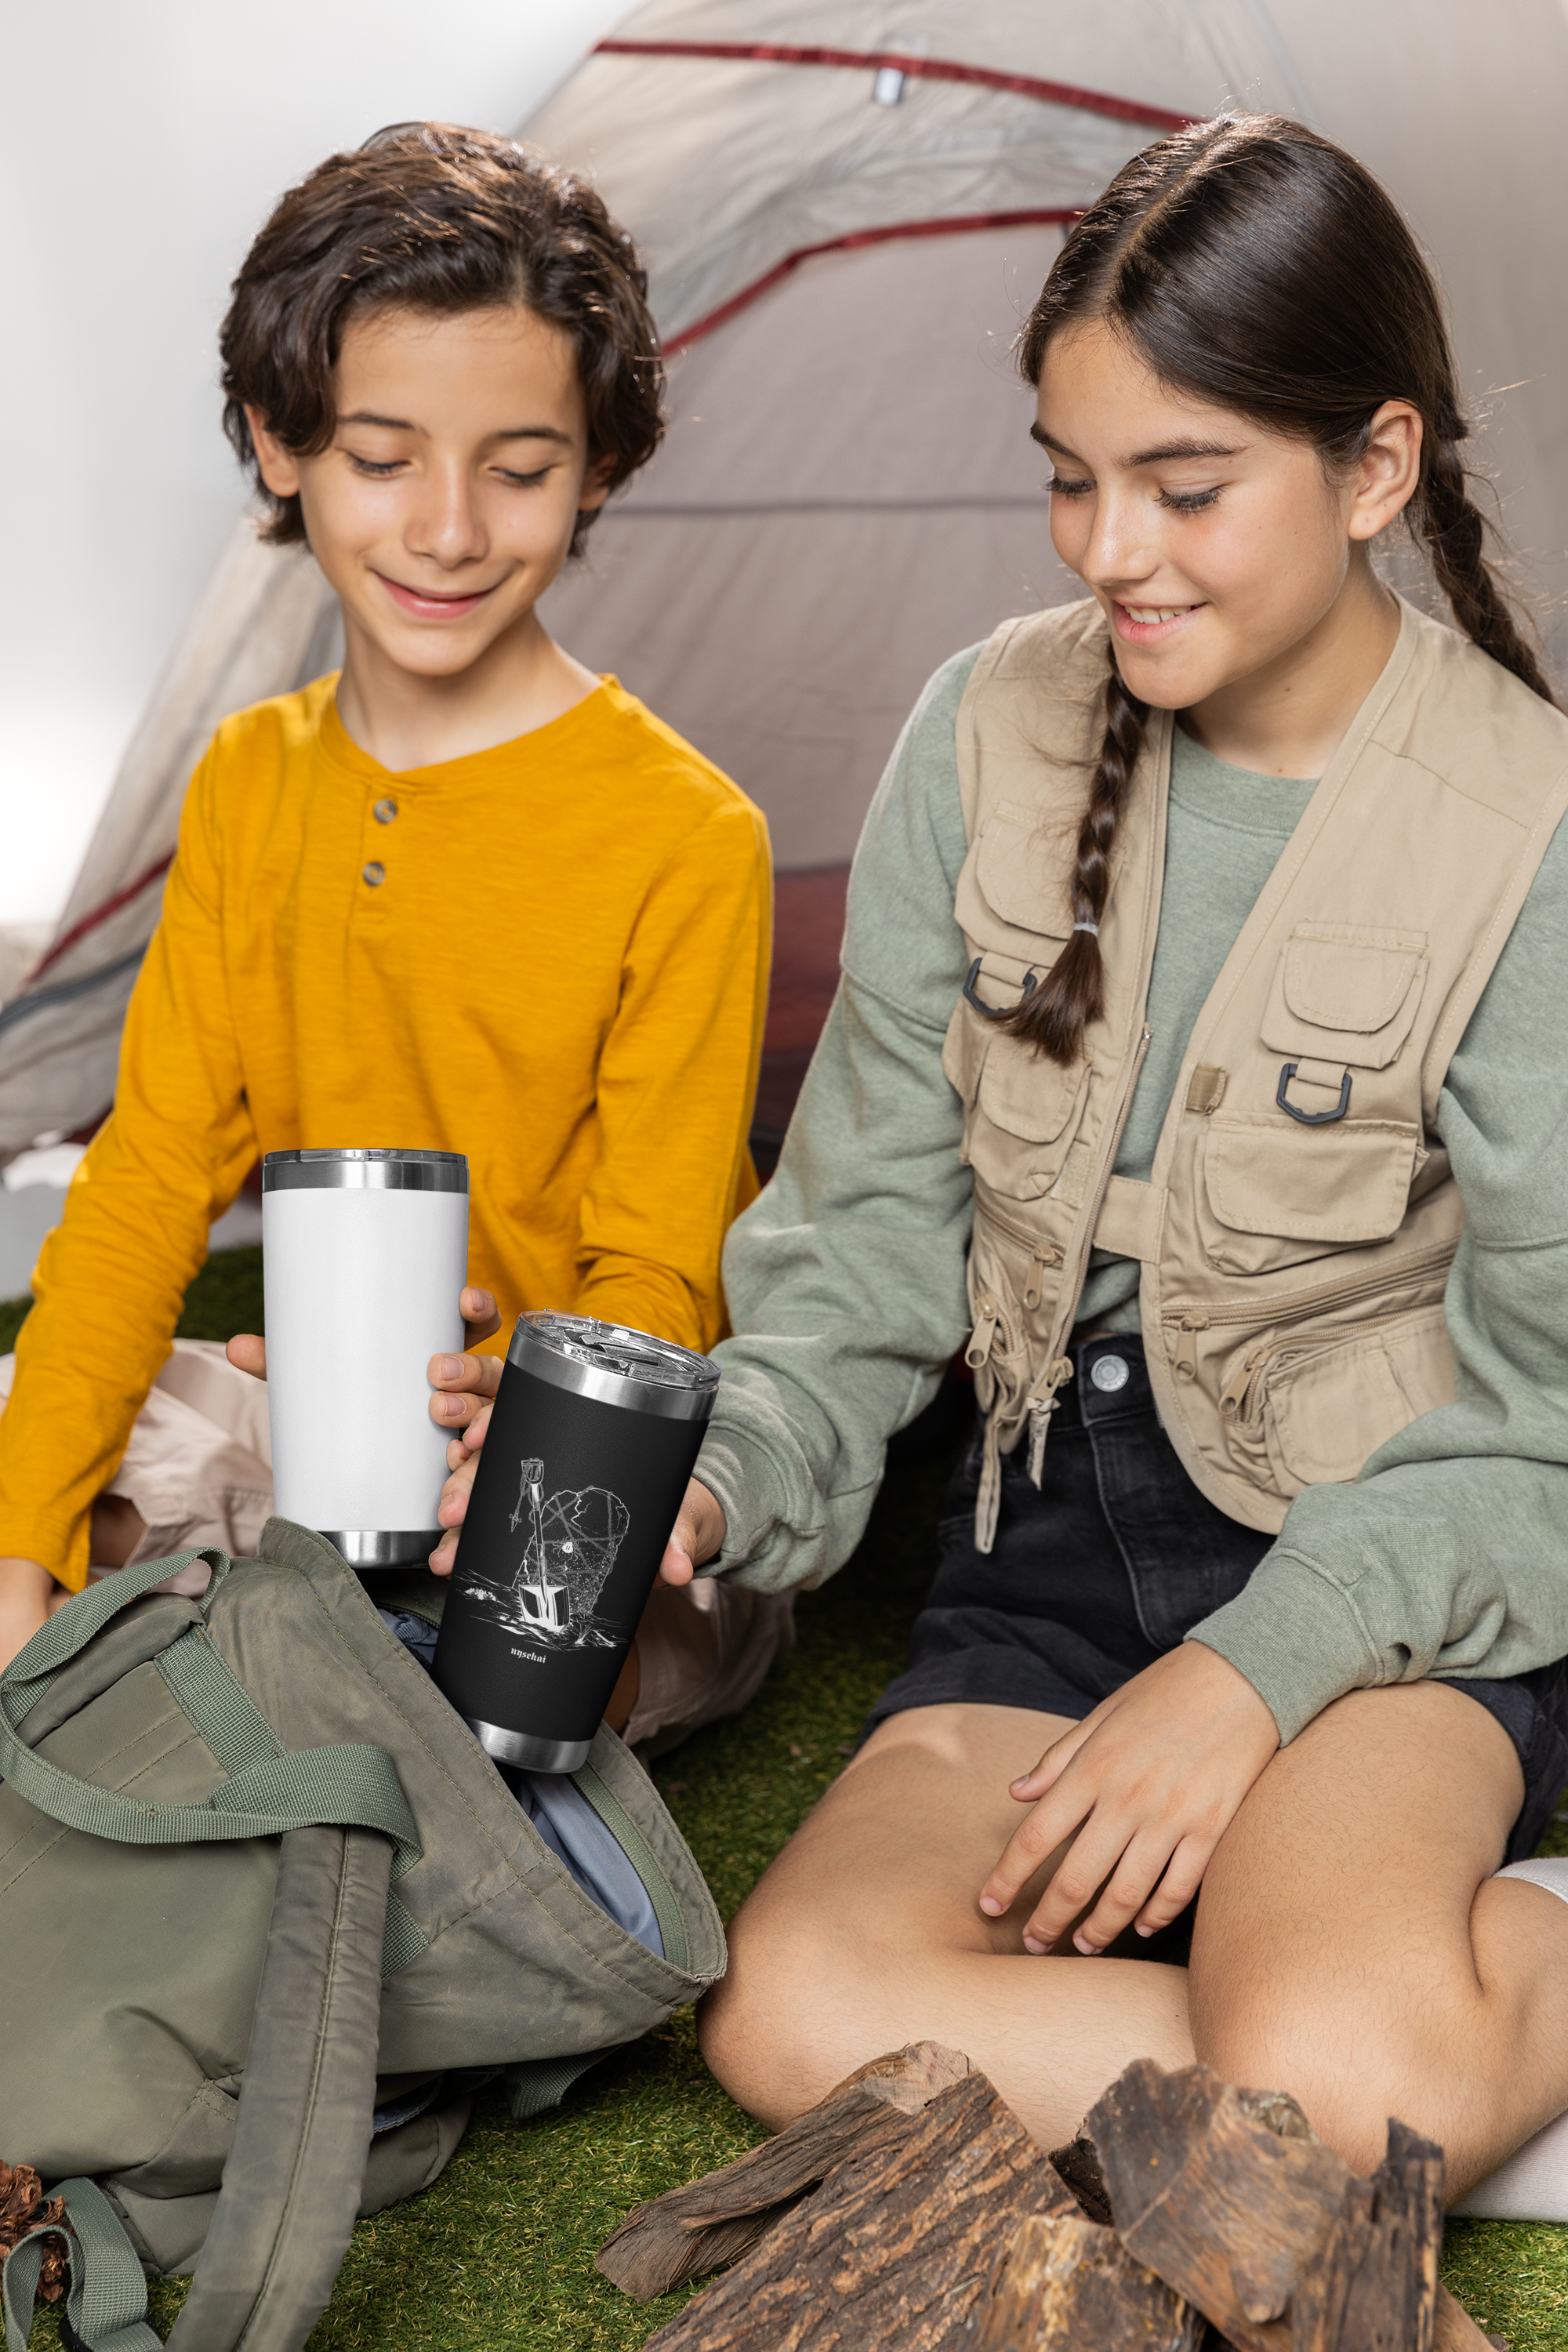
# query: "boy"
{"type": "Point", "coordinates": [466, 896]}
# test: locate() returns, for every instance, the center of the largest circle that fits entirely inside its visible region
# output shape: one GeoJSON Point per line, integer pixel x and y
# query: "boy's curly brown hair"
{"type": "Point", "coordinates": [429, 218]}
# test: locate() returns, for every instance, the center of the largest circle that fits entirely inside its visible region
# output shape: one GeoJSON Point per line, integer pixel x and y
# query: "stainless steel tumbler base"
{"type": "Point", "coordinates": [522, 1748]}
{"type": "Point", "coordinates": [383, 1546]}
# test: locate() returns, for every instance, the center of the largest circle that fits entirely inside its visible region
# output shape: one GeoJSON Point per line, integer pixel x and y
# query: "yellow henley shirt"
{"type": "Point", "coordinates": [551, 956]}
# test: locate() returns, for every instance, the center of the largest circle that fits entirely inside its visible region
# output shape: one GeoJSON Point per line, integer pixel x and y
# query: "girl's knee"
{"type": "Point", "coordinates": [1348, 2074]}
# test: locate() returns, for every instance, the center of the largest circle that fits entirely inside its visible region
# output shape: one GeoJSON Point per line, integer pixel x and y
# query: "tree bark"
{"type": "Point", "coordinates": [1211, 2194]}
{"type": "Point", "coordinates": [716, 2220]}
{"type": "Point", "coordinates": [894, 2249]}
{"type": "Point", "coordinates": [1068, 2284]}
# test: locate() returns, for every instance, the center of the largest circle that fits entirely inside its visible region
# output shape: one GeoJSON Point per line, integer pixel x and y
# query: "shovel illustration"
{"type": "Point", "coordinates": [535, 1586]}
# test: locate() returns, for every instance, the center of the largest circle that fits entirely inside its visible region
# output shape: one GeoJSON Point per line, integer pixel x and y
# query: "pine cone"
{"type": "Point", "coordinates": [22, 2207]}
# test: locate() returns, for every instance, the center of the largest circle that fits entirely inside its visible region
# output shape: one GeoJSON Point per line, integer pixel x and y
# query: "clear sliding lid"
{"type": "Point", "coordinates": [616, 1365]}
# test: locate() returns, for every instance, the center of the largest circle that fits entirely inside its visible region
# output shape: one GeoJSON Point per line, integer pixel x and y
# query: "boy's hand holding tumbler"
{"type": "Point", "coordinates": [591, 1442]}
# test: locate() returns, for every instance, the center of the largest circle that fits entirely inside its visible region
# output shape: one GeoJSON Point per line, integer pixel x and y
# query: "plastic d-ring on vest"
{"type": "Point", "coordinates": [1312, 1118]}
{"type": "Point", "coordinates": [994, 1012]}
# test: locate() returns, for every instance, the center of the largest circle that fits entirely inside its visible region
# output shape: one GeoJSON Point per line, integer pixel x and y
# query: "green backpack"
{"type": "Point", "coordinates": [270, 1916]}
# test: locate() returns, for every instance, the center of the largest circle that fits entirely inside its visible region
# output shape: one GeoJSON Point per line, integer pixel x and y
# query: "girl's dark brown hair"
{"type": "Point", "coordinates": [1260, 269]}
{"type": "Point", "coordinates": [431, 218]}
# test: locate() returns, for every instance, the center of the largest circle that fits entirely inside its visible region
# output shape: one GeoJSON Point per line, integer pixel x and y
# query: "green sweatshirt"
{"type": "Point", "coordinates": [846, 1279]}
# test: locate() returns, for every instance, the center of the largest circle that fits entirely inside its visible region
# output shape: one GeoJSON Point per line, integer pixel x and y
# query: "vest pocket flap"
{"type": "Point", "coordinates": [1345, 992]}
{"type": "Point", "coordinates": [1029, 1095]}
{"type": "Point", "coordinates": [1348, 1182]}
{"type": "Point", "coordinates": [1329, 1409]}
{"type": "Point", "coordinates": [1023, 868]}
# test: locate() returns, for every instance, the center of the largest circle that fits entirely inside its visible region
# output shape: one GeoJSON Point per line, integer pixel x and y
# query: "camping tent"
{"type": "Point", "coordinates": [846, 209]}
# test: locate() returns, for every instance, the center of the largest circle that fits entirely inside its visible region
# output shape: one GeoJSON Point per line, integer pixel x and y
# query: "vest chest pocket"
{"type": "Point", "coordinates": [1021, 1110]}
{"type": "Point", "coordinates": [1276, 1190]}
{"type": "Point", "coordinates": [1272, 1196]}
{"type": "Point", "coordinates": [1025, 1114]}
{"type": "Point", "coordinates": [1344, 992]}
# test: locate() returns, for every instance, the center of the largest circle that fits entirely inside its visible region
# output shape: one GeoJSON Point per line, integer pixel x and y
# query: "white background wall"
{"type": "Point", "coordinates": [144, 141]}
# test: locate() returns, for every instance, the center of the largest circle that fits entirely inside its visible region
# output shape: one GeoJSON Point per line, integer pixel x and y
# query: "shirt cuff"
{"type": "Point", "coordinates": [1297, 1636]}
{"type": "Point", "coordinates": [736, 1470]}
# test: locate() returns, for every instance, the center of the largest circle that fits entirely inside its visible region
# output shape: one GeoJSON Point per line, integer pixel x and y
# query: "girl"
{"type": "Point", "coordinates": [1198, 1065]}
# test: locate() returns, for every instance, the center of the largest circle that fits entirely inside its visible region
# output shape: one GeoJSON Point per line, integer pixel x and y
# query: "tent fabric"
{"type": "Point", "coordinates": [264, 623]}
{"type": "Point", "coordinates": [847, 207]}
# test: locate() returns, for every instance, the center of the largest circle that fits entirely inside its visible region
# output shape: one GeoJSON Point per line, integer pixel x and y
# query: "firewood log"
{"type": "Point", "coordinates": [1373, 2286]}
{"type": "Point", "coordinates": [715, 2220]}
{"type": "Point", "coordinates": [1208, 2192]}
{"type": "Point", "coordinates": [1067, 2283]}
{"type": "Point", "coordinates": [894, 2249]}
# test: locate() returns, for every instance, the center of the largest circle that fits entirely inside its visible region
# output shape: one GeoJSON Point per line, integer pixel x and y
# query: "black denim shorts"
{"type": "Point", "coordinates": [1111, 1562]}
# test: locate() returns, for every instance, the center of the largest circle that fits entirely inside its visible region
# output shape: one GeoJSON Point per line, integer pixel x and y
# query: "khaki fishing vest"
{"type": "Point", "coordinates": [1295, 1236]}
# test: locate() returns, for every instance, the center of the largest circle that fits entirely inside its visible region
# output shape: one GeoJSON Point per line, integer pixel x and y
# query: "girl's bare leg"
{"type": "Point", "coordinates": [1352, 1946]}
{"type": "Point", "coordinates": [867, 1933]}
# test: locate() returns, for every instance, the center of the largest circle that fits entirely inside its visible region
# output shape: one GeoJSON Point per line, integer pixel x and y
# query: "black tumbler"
{"type": "Point", "coordinates": [592, 1439]}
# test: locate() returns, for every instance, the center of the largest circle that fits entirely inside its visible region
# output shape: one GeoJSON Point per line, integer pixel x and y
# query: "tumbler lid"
{"type": "Point", "coordinates": [616, 1365]}
{"type": "Point", "coordinates": [365, 1172]}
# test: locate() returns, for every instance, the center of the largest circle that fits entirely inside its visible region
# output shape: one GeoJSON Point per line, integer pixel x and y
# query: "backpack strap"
{"type": "Point", "coordinates": [353, 1786]}
{"type": "Point", "coordinates": [105, 2310]}
{"type": "Point", "coordinates": [291, 2185]}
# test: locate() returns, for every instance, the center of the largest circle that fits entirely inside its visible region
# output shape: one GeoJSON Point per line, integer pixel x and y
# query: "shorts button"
{"type": "Point", "coordinates": [384, 812]}
{"type": "Point", "coordinates": [1110, 1373]}
{"type": "Point", "coordinates": [376, 875]}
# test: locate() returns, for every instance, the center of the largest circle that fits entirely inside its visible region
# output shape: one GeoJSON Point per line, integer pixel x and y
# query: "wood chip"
{"type": "Point", "coordinates": [1068, 2284]}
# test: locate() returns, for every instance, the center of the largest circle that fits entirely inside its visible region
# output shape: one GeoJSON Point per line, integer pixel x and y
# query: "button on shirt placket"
{"type": "Point", "coordinates": [374, 873]}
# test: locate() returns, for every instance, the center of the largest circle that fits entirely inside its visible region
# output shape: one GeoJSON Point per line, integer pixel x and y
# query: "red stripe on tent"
{"type": "Point", "coordinates": [1050, 93]}
{"type": "Point", "coordinates": [90, 923]}
{"type": "Point", "coordinates": [959, 226]}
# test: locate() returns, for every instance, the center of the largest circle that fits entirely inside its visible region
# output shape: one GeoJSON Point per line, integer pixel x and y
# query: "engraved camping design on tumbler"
{"type": "Point", "coordinates": [592, 1434]}
{"type": "Point", "coordinates": [571, 1545]}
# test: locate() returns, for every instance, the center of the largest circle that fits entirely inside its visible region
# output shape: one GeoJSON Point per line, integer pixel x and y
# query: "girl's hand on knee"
{"type": "Point", "coordinates": [1144, 1788]}
{"type": "Point", "coordinates": [698, 1534]}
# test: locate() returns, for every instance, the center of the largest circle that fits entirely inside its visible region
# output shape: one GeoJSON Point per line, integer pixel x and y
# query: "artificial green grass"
{"type": "Point", "coordinates": [498, 2255]}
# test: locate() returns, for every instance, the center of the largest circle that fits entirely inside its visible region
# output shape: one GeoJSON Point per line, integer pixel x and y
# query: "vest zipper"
{"type": "Point", "coordinates": [1040, 1411]}
{"type": "Point", "coordinates": [1293, 1308]}
{"type": "Point", "coordinates": [1241, 1398]}
{"type": "Point", "coordinates": [1184, 1363]}
{"type": "Point", "coordinates": [983, 1338]}
{"type": "Point", "coordinates": [1046, 1254]}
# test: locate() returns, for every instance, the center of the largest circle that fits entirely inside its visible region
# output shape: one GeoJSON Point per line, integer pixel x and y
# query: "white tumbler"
{"type": "Point", "coordinates": [365, 1254]}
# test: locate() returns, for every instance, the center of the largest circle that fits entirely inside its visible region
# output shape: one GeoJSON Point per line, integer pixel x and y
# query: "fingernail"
{"type": "Point", "coordinates": [1090, 1951]}
{"type": "Point", "coordinates": [450, 1368]}
{"type": "Point", "coordinates": [1141, 1929]}
{"type": "Point", "coordinates": [453, 1407]}
{"type": "Point", "coordinates": [989, 1904]}
{"type": "Point", "coordinates": [1032, 1944]}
